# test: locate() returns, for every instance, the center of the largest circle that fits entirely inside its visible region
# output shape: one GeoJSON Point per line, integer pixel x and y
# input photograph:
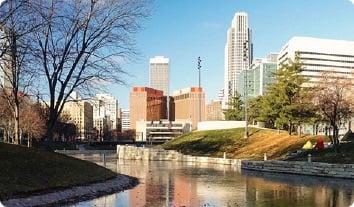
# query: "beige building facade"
{"type": "Point", "coordinates": [189, 105]}
{"type": "Point", "coordinates": [214, 111]}
{"type": "Point", "coordinates": [81, 114]}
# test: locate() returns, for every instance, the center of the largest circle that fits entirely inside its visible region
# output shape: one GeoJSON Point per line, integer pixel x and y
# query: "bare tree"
{"type": "Point", "coordinates": [32, 123]}
{"type": "Point", "coordinates": [81, 44]}
{"type": "Point", "coordinates": [15, 44]}
{"type": "Point", "coordinates": [333, 97]}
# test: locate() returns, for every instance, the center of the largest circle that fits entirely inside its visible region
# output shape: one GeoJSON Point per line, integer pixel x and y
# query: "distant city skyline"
{"type": "Point", "coordinates": [193, 29]}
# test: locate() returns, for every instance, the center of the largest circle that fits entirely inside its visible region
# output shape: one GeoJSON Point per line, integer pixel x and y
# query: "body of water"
{"type": "Point", "coordinates": [189, 184]}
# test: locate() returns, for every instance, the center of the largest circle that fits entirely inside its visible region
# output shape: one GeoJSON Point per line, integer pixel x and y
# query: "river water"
{"type": "Point", "coordinates": [189, 184]}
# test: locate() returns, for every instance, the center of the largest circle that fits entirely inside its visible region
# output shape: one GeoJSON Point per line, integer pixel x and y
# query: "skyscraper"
{"type": "Point", "coordinates": [238, 53]}
{"type": "Point", "coordinates": [159, 71]}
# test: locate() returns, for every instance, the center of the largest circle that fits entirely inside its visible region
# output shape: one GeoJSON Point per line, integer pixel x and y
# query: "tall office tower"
{"type": "Point", "coordinates": [238, 53]}
{"type": "Point", "coordinates": [159, 72]}
{"type": "Point", "coordinates": [159, 77]}
{"type": "Point", "coordinates": [190, 105]}
{"type": "Point", "coordinates": [320, 56]}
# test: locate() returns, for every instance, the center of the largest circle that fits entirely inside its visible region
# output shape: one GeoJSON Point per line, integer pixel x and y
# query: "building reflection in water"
{"type": "Point", "coordinates": [188, 184]}
{"type": "Point", "coordinates": [273, 189]}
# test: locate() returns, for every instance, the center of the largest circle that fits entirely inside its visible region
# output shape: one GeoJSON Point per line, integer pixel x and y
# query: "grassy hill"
{"type": "Point", "coordinates": [27, 171]}
{"type": "Point", "coordinates": [215, 142]}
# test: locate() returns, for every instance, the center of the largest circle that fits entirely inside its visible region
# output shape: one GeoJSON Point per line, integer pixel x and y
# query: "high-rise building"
{"type": "Point", "coordinates": [221, 94]}
{"type": "Point", "coordinates": [81, 114]}
{"type": "Point", "coordinates": [159, 72]}
{"type": "Point", "coordinates": [259, 77]}
{"type": "Point", "coordinates": [320, 56]}
{"type": "Point", "coordinates": [214, 111]}
{"type": "Point", "coordinates": [159, 77]}
{"type": "Point", "coordinates": [190, 105]}
{"type": "Point", "coordinates": [125, 119]}
{"type": "Point", "coordinates": [146, 104]}
{"type": "Point", "coordinates": [238, 53]}
{"type": "Point", "coordinates": [106, 106]}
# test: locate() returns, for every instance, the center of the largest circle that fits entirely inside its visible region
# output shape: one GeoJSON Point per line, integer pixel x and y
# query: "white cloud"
{"type": "Point", "coordinates": [352, 1]}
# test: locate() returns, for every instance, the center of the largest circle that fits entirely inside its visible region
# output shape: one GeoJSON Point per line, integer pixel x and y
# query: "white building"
{"type": "Point", "coordinates": [159, 74]}
{"type": "Point", "coordinates": [320, 56]}
{"type": "Point", "coordinates": [160, 131]}
{"type": "Point", "coordinates": [238, 53]}
{"type": "Point", "coordinates": [105, 109]}
{"type": "Point", "coordinates": [125, 119]}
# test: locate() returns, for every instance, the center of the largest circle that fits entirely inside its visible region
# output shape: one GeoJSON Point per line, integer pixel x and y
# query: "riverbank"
{"type": "Point", "coordinates": [345, 155]}
{"type": "Point", "coordinates": [27, 173]}
{"type": "Point", "coordinates": [75, 194]}
{"type": "Point", "coordinates": [214, 143]}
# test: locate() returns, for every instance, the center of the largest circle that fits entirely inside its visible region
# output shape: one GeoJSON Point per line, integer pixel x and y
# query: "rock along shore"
{"type": "Point", "coordinates": [75, 194]}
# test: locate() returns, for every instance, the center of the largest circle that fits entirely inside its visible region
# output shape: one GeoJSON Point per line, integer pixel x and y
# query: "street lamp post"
{"type": "Point", "coordinates": [245, 90]}
{"type": "Point", "coordinates": [199, 67]}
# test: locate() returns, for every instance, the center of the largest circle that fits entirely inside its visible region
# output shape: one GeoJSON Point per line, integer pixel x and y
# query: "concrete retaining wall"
{"type": "Point", "coordinates": [303, 168]}
{"type": "Point", "coordinates": [152, 154]}
{"type": "Point", "coordinates": [216, 125]}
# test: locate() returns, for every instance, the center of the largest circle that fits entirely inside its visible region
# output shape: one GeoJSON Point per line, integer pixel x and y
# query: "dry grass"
{"type": "Point", "coordinates": [215, 142]}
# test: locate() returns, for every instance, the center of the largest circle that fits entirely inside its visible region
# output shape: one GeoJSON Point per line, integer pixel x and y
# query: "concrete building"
{"type": "Point", "coordinates": [160, 131]}
{"type": "Point", "coordinates": [190, 105]}
{"type": "Point", "coordinates": [146, 104]}
{"type": "Point", "coordinates": [81, 114]}
{"type": "Point", "coordinates": [159, 74]}
{"type": "Point", "coordinates": [214, 111]}
{"type": "Point", "coordinates": [105, 106]}
{"type": "Point", "coordinates": [320, 56]}
{"type": "Point", "coordinates": [238, 53]}
{"type": "Point", "coordinates": [259, 77]}
{"type": "Point", "coordinates": [125, 119]}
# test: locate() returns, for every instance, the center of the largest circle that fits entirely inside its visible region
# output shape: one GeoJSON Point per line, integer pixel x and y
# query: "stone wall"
{"type": "Point", "coordinates": [153, 154]}
{"type": "Point", "coordinates": [303, 168]}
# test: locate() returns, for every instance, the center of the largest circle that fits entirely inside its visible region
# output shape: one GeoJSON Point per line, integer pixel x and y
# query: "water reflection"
{"type": "Point", "coordinates": [188, 184]}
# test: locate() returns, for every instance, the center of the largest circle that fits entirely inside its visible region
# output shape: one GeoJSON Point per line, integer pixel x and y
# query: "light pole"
{"type": "Point", "coordinates": [199, 67]}
{"type": "Point", "coordinates": [245, 58]}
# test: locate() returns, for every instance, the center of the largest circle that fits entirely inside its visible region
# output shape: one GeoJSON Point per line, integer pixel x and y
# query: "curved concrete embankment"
{"type": "Point", "coordinates": [75, 194]}
{"type": "Point", "coordinates": [153, 154]}
{"type": "Point", "coordinates": [302, 168]}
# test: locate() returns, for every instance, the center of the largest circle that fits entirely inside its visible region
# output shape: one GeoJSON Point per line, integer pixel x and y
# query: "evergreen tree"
{"type": "Point", "coordinates": [236, 109]}
{"type": "Point", "coordinates": [287, 104]}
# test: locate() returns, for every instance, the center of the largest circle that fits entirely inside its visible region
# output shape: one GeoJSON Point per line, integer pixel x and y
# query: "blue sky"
{"type": "Point", "coordinates": [185, 29]}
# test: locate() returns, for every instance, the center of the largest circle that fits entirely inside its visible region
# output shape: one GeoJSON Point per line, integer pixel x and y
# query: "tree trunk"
{"type": "Point", "coordinates": [52, 120]}
{"type": "Point", "coordinates": [290, 128]}
{"type": "Point", "coordinates": [299, 130]}
{"type": "Point", "coordinates": [335, 137]}
{"type": "Point", "coordinates": [17, 125]}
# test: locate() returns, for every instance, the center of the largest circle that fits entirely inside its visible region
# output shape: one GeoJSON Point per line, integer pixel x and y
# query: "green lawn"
{"type": "Point", "coordinates": [215, 142]}
{"type": "Point", "coordinates": [25, 171]}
